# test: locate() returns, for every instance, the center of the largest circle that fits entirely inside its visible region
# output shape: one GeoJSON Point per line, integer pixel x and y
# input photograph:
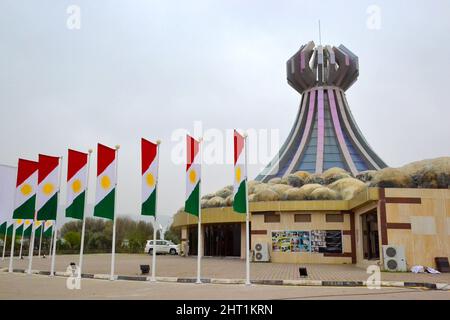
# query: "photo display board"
{"type": "Point", "coordinates": [291, 241]}
{"type": "Point", "coordinates": [315, 241]}
{"type": "Point", "coordinates": [326, 241]}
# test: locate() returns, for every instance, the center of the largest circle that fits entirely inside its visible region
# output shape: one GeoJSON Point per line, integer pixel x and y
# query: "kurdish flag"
{"type": "Point", "coordinates": [3, 227]}
{"type": "Point", "coordinates": [240, 174]}
{"type": "Point", "coordinates": [19, 226]}
{"type": "Point", "coordinates": [27, 228]}
{"type": "Point", "coordinates": [37, 227]}
{"type": "Point", "coordinates": [106, 182]}
{"type": "Point", "coordinates": [48, 227]}
{"type": "Point", "coordinates": [76, 184]}
{"type": "Point", "coordinates": [193, 177]}
{"type": "Point", "coordinates": [149, 161]}
{"type": "Point", "coordinates": [48, 187]}
{"type": "Point", "coordinates": [26, 184]}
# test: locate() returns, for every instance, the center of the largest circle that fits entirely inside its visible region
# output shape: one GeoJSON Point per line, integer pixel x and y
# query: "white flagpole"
{"type": "Point", "coordinates": [21, 241]}
{"type": "Point", "coordinates": [113, 251]}
{"type": "Point", "coordinates": [52, 269]}
{"type": "Point", "coordinates": [247, 220]}
{"type": "Point", "coordinates": [31, 244]}
{"type": "Point", "coordinates": [4, 242]}
{"type": "Point", "coordinates": [13, 239]}
{"type": "Point", "coordinates": [199, 236]}
{"type": "Point", "coordinates": [84, 216]}
{"type": "Point", "coordinates": [40, 240]}
{"type": "Point", "coordinates": [153, 279]}
{"type": "Point", "coordinates": [51, 242]}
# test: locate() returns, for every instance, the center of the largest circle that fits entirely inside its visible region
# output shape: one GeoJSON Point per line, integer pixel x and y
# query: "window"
{"type": "Point", "coordinates": [271, 218]}
{"type": "Point", "coordinates": [305, 217]}
{"type": "Point", "coordinates": [333, 217]}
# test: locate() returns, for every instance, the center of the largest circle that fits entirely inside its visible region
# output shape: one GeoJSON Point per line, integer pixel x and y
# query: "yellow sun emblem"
{"type": "Point", "coordinates": [27, 222]}
{"type": "Point", "coordinates": [48, 188]}
{"type": "Point", "coordinates": [76, 186]}
{"type": "Point", "coordinates": [48, 223]}
{"type": "Point", "coordinates": [105, 182]}
{"type": "Point", "coordinates": [26, 189]}
{"type": "Point", "coordinates": [238, 174]}
{"type": "Point", "coordinates": [150, 179]}
{"type": "Point", "coordinates": [19, 221]}
{"type": "Point", "coordinates": [192, 176]}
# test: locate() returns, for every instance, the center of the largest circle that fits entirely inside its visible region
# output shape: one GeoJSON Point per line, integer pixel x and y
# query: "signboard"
{"type": "Point", "coordinates": [315, 241]}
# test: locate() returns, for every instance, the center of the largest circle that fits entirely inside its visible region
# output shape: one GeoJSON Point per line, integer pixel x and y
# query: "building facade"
{"type": "Point", "coordinates": [332, 232]}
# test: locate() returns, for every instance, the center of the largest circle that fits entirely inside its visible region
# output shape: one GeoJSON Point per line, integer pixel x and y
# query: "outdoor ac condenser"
{"type": "Point", "coordinates": [261, 253]}
{"type": "Point", "coordinates": [394, 258]}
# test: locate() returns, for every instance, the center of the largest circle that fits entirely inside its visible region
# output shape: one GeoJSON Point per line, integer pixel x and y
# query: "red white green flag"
{"type": "Point", "coordinates": [26, 184]}
{"type": "Point", "coordinates": [27, 227]}
{"type": "Point", "coordinates": [76, 184]}
{"type": "Point", "coordinates": [149, 165]}
{"type": "Point", "coordinates": [48, 187]}
{"type": "Point", "coordinates": [193, 177]}
{"type": "Point", "coordinates": [48, 227]}
{"type": "Point", "coordinates": [106, 182]}
{"type": "Point", "coordinates": [240, 174]}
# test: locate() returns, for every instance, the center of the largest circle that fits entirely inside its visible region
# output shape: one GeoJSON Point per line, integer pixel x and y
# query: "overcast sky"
{"type": "Point", "coordinates": [143, 68]}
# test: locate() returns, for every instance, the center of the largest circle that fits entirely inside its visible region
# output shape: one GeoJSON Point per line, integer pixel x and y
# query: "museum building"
{"type": "Point", "coordinates": [410, 226]}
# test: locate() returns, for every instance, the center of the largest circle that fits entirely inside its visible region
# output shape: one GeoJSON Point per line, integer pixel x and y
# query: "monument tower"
{"type": "Point", "coordinates": [325, 134]}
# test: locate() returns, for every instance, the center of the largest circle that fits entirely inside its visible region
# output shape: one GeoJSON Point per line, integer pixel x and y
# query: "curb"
{"type": "Point", "coordinates": [298, 283]}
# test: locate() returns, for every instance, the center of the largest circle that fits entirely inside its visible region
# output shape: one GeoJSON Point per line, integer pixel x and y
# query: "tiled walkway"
{"type": "Point", "coordinates": [227, 268]}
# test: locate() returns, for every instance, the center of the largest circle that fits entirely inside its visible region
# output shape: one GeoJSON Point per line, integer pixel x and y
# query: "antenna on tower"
{"type": "Point", "coordinates": [320, 34]}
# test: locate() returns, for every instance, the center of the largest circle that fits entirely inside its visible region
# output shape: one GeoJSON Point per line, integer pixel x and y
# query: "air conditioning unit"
{"type": "Point", "coordinates": [394, 258]}
{"type": "Point", "coordinates": [261, 252]}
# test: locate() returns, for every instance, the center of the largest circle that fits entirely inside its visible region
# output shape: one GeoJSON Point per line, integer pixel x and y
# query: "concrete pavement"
{"type": "Point", "coordinates": [22, 286]}
{"type": "Point", "coordinates": [225, 268]}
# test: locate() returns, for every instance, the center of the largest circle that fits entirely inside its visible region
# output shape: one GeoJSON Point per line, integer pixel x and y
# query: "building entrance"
{"type": "Point", "coordinates": [223, 240]}
{"type": "Point", "coordinates": [369, 228]}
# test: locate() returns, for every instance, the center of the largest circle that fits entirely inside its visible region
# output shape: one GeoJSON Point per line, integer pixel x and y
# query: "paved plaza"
{"type": "Point", "coordinates": [222, 268]}
{"type": "Point", "coordinates": [23, 286]}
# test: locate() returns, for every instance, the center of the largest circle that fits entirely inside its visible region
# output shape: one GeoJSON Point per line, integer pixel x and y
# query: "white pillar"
{"type": "Point", "coordinates": [55, 231]}
{"type": "Point", "coordinates": [199, 234]}
{"type": "Point", "coordinates": [51, 242]}
{"type": "Point", "coordinates": [40, 240]}
{"type": "Point", "coordinates": [4, 243]}
{"type": "Point", "coordinates": [113, 251]}
{"type": "Point", "coordinates": [80, 264]}
{"type": "Point", "coordinates": [13, 239]}
{"type": "Point", "coordinates": [21, 243]}
{"type": "Point", "coordinates": [52, 270]}
{"type": "Point", "coordinates": [31, 245]}
{"type": "Point", "coordinates": [153, 279]}
{"type": "Point", "coordinates": [247, 220]}
{"type": "Point", "coordinates": [154, 251]}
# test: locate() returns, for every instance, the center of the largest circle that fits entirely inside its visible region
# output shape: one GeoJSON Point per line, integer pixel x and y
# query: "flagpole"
{"type": "Point", "coordinates": [153, 279]}
{"type": "Point", "coordinates": [199, 236]}
{"type": "Point", "coordinates": [80, 264]}
{"type": "Point", "coordinates": [31, 244]}
{"type": "Point", "coordinates": [113, 251]}
{"type": "Point", "coordinates": [21, 241]}
{"type": "Point", "coordinates": [52, 269]}
{"type": "Point", "coordinates": [10, 269]}
{"type": "Point", "coordinates": [247, 219]}
{"type": "Point", "coordinates": [51, 242]}
{"type": "Point", "coordinates": [40, 241]}
{"type": "Point", "coordinates": [4, 242]}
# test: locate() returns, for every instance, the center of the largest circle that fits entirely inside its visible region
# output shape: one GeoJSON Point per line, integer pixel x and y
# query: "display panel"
{"type": "Point", "coordinates": [291, 241]}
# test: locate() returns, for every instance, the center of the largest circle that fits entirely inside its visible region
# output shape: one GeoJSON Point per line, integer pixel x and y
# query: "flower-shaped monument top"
{"type": "Point", "coordinates": [314, 66]}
